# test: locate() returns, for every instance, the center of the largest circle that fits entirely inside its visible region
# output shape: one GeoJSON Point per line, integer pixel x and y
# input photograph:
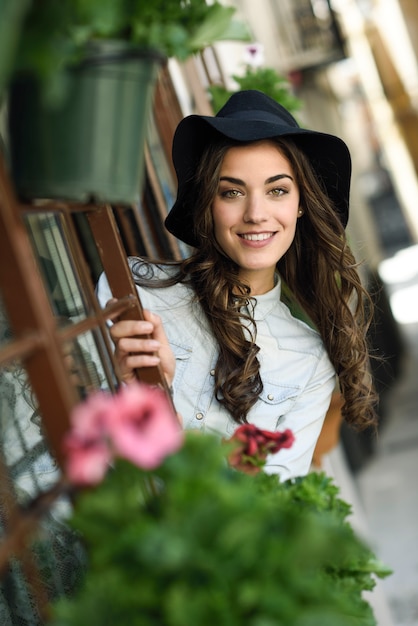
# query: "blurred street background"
{"type": "Point", "coordinates": [387, 483]}
{"type": "Point", "coordinates": [378, 477]}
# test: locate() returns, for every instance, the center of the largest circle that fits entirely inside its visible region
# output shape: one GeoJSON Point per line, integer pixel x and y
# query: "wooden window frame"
{"type": "Point", "coordinates": [38, 343]}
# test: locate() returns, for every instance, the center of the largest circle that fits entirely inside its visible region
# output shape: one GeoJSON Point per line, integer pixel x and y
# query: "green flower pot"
{"type": "Point", "coordinates": [90, 146]}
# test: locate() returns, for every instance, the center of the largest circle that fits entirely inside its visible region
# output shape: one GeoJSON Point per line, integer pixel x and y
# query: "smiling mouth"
{"type": "Point", "coordinates": [256, 236]}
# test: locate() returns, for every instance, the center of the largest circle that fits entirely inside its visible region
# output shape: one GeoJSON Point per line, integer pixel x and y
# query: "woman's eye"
{"type": "Point", "coordinates": [230, 193]}
{"type": "Point", "coordinates": [278, 191]}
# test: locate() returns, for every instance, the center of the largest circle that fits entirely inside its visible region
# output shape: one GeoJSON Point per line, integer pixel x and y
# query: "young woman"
{"type": "Point", "coordinates": [268, 311]}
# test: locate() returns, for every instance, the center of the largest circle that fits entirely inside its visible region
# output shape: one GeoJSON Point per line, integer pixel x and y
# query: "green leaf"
{"type": "Point", "coordinates": [12, 13]}
{"type": "Point", "coordinates": [217, 26]}
{"type": "Point", "coordinates": [236, 30]}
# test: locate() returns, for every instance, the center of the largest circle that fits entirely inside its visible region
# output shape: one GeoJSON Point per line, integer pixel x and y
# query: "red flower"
{"type": "Point", "coordinates": [253, 445]}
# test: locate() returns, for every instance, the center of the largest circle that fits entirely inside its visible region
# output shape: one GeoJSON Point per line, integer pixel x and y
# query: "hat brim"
{"type": "Point", "coordinates": [328, 155]}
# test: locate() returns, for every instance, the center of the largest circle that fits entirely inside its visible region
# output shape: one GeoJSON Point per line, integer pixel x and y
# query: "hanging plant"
{"type": "Point", "coordinates": [82, 86]}
{"type": "Point", "coordinates": [46, 37]}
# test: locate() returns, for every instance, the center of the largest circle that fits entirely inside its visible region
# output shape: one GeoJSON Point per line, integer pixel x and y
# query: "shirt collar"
{"type": "Point", "coordinates": [265, 302]}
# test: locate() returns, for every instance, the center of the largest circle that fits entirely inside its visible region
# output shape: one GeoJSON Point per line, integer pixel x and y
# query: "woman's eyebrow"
{"type": "Point", "coordinates": [278, 177]}
{"type": "Point", "coordinates": [234, 181]}
{"type": "Point", "coordinates": [238, 181]}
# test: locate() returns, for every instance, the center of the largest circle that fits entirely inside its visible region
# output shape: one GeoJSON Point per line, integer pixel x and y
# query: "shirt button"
{"type": "Point", "coordinates": [212, 372]}
{"type": "Point", "coordinates": [199, 416]}
{"type": "Point", "coordinates": [270, 396]}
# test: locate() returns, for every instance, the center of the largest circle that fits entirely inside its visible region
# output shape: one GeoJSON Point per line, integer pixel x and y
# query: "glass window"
{"type": "Point", "coordinates": [5, 331]}
{"type": "Point", "coordinates": [84, 358]}
{"type": "Point", "coordinates": [50, 244]}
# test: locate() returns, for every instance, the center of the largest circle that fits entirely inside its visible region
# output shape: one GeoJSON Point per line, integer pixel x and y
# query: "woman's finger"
{"type": "Point", "coordinates": [142, 343]}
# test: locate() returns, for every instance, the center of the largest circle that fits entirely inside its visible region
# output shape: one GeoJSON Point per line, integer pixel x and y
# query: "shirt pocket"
{"type": "Point", "coordinates": [182, 354]}
{"type": "Point", "coordinates": [274, 404]}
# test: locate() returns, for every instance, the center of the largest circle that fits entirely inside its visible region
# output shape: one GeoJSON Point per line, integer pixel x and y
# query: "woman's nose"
{"type": "Point", "coordinates": [255, 210]}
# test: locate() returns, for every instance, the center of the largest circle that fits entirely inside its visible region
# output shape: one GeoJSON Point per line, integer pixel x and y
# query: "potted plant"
{"type": "Point", "coordinates": [82, 85]}
{"type": "Point", "coordinates": [175, 535]}
{"type": "Point", "coordinates": [255, 76]}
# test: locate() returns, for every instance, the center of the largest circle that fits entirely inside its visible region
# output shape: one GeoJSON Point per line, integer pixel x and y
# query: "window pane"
{"type": "Point", "coordinates": [88, 244]}
{"type": "Point", "coordinates": [22, 442]}
{"type": "Point", "coordinates": [47, 232]}
{"type": "Point", "coordinates": [5, 331]}
{"type": "Point", "coordinates": [87, 356]}
{"type": "Point", "coordinates": [85, 365]}
{"type": "Point", "coordinates": [57, 551]}
{"type": "Point", "coordinates": [161, 166]}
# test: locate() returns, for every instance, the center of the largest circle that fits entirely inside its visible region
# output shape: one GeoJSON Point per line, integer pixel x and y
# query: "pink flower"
{"type": "Point", "coordinates": [138, 424]}
{"type": "Point", "coordinates": [253, 445]}
{"type": "Point", "coordinates": [89, 419]}
{"type": "Point", "coordinates": [86, 446]}
{"type": "Point", "coordinates": [87, 460]}
{"type": "Point", "coordinates": [143, 426]}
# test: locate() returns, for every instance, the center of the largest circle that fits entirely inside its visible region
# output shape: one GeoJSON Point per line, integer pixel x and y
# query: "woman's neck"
{"type": "Point", "coordinates": [260, 284]}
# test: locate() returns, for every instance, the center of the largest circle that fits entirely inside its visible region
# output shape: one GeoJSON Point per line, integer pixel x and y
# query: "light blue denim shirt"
{"type": "Point", "coordinates": [298, 378]}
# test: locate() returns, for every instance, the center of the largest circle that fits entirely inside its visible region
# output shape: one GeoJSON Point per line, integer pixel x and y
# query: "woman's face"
{"type": "Point", "coordinates": [255, 211]}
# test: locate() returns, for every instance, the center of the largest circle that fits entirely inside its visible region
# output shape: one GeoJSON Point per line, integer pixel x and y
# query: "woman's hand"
{"type": "Point", "coordinates": [134, 350]}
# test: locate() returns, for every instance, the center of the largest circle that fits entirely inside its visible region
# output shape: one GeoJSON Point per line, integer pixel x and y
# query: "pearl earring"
{"type": "Point", "coordinates": [300, 212]}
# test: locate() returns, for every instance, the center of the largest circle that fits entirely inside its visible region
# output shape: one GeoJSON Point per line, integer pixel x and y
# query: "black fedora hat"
{"type": "Point", "coordinates": [251, 116]}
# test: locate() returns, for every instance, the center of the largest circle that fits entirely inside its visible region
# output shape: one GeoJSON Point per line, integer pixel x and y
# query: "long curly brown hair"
{"type": "Point", "coordinates": [321, 272]}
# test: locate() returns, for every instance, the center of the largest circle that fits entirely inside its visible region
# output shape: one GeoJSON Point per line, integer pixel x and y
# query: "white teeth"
{"type": "Point", "coordinates": [257, 237]}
